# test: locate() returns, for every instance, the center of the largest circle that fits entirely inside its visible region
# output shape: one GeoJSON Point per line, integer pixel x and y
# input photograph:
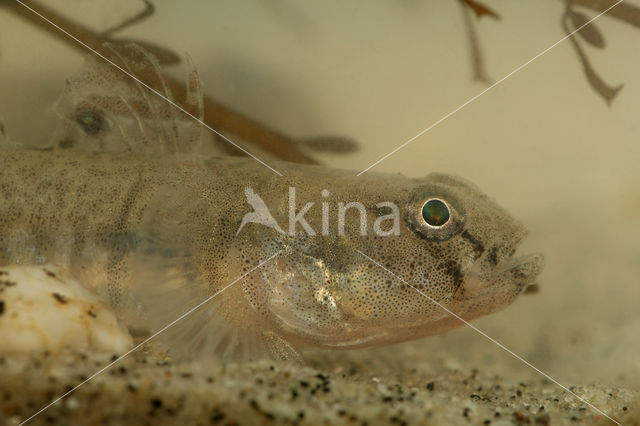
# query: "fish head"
{"type": "Point", "coordinates": [471, 237]}
{"type": "Point", "coordinates": [452, 260]}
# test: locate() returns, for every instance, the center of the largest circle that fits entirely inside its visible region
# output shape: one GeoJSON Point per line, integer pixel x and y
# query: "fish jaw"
{"type": "Point", "coordinates": [481, 296]}
{"type": "Point", "coordinates": [489, 297]}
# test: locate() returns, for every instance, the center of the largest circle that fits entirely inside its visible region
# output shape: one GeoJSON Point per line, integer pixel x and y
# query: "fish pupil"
{"type": "Point", "coordinates": [90, 121]}
{"type": "Point", "coordinates": [435, 212]}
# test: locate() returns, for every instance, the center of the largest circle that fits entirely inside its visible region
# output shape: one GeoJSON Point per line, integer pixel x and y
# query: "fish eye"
{"type": "Point", "coordinates": [90, 120]}
{"type": "Point", "coordinates": [435, 212]}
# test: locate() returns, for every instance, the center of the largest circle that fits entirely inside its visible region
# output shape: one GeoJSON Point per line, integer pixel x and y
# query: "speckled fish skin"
{"type": "Point", "coordinates": [159, 235]}
{"type": "Point", "coordinates": [128, 198]}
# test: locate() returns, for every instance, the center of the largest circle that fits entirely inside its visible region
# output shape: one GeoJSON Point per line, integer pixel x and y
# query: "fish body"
{"type": "Point", "coordinates": [169, 231]}
{"type": "Point", "coordinates": [128, 203]}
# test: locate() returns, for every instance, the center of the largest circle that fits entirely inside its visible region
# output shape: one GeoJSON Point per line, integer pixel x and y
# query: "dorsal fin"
{"type": "Point", "coordinates": [102, 109]}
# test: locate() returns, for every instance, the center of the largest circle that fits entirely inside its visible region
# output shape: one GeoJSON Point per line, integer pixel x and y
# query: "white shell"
{"type": "Point", "coordinates": [42, 308]}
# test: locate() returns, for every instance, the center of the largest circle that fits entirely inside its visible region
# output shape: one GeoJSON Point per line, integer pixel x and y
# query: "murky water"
{"type": "Point", "coordinates": [542, 142]}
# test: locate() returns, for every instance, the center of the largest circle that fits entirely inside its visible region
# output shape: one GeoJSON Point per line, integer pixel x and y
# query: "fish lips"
{"type": "Point", "coordinates": [523, 270]}
{"type": "Point", "coordinates": [511, 274]}
{"type": "Point", "coordinates": [508, 268]}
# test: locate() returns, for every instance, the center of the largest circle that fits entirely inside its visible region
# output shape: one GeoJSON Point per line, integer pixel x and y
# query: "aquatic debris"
{"type": "Point", "coordinates": [42, 308]}
{"type": "Point", "coordinates": [588, 32]}
{"type": "Point", "coordinates": [480, 9]}
{"type": "Point", "coordinates": [571, 21]}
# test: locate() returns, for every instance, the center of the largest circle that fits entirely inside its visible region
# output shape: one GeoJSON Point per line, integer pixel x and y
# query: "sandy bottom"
{"type": "Point", "coordinates": [334, 388]}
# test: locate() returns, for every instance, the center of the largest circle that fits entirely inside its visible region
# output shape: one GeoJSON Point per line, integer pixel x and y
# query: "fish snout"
{"type": "Point", "coordinates": [523, 271]}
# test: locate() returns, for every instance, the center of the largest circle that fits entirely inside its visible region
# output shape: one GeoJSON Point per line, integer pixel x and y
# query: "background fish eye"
{"type": "Point", "coordinates": [90, 120]}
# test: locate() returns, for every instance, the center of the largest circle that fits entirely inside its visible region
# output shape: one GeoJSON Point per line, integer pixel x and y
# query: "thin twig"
{"type": "Point", "coordinates": [608, 93]}
{"type": "Point", "coordinates": [478, 65]}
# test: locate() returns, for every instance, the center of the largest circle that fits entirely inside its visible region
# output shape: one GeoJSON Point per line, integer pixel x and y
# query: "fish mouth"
{"type": "Point", "coordinates": [522, 270]}
{"type": "Point", "coordinates": [511, 274]}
